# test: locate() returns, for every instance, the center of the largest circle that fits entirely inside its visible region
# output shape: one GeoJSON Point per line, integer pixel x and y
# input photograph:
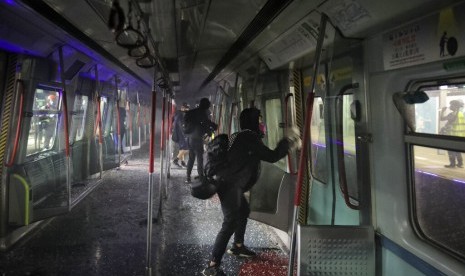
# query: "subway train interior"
{"type": "Point", "coordinates": [89, 89]}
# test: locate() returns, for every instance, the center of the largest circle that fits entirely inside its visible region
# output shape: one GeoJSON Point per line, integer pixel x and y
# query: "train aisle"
{"type": "Point", "coordinates": [105, 234]}
{"type": "Point", "coordinates": [189, 230]}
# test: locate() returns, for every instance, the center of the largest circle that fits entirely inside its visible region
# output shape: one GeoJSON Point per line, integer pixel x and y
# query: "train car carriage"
{"type": "Point", "coordinates": [374, 182]}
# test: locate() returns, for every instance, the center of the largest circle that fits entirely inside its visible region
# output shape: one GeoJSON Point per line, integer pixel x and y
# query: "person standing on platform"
{"type": "Point", "coordinates": [455, 126]}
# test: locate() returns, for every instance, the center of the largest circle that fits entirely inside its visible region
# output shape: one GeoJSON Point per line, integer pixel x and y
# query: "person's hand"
{"type": "Point", "coordinates": [444, 108]}
{"type": "Point", "coordinates": [293, 136]}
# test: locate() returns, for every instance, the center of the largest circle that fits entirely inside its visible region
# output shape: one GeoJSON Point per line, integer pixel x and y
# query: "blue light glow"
{"type": "Point", "coordinates": [428, 173]}
{"type": "Point", "coordinates": [10, 2]}
{"type": "Point", "coordinates": [14, 48]}
{"type": "Point", "coordinates": [10, 47]}
{"type": "Point", "coordinates": [459, 181]}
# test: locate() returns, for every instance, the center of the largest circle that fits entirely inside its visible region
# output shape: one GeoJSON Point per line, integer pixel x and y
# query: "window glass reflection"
{"type": "Point", "coordinates": [439, 198]}
{"type": "Point", "coordinates": [79, 115]}
{"type": "Point", "coordinates": [318, 143]}
{"type": "Point", "coordinates": [443, 112]}
{"type": "Point", "coordinates": [270, 125]}
{"type": "Point", "coordinates": [42, 132]}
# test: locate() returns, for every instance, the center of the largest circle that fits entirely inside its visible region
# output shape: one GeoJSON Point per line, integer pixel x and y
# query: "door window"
{"type": "Point", "coordinates": [44, 123]}
{"type": "Point", "coordinates": [271, 127]}
{"type": "Point", "coordinates": [318, 142]}
{"type": "Point", "coordinates": [79, 117]}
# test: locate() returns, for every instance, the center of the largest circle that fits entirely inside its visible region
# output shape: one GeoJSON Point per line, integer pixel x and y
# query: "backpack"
{"type": "Point", "coordinates": [189, 123]}
{"type": "Point", "coordinates": [217, 160]}
{"type": "Point", "coordinates": [217, 155]}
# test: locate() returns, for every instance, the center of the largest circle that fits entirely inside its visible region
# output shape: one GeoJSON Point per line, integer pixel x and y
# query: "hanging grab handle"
{"type": "Point", "coordinates": [20, 86]}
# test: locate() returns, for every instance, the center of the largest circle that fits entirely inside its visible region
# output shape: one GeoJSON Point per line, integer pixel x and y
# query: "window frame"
{"type": "Point", "coordinates": [39, 112]}
{"type": "Point", "coordinates": [436, 141]}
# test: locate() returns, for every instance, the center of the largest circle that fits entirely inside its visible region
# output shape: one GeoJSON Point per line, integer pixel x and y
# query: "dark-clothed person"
{"type": "Point", "coordinates": [202, 126]}
{"type": "Point", "coordinates": [244, 156]}
{"type": "Point", "coordinates": [178, 135]}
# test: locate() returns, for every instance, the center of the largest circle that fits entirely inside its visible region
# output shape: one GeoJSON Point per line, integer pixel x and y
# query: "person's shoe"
{"type": "Point", "coordinates": [212, 271]}
{"type": "Point", "coordinates": [188, 179]}
{"type": "Point", "coordinates": [242, 251]}
{"type": "Point", "coordinates": [449, 166]}
{"type": "Point", "coordinates": [183, 164]}
{"type": "Point", "coordinates": [175, 161]}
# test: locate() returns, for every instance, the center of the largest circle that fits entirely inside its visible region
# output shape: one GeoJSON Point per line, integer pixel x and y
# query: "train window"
{"type": "Point", "coordinates": [79, 117]}
{"type": "Point", "coordinates": [272, 121]}
{"type": "Point", "coordinates": [439, 196]}
{"type": "Point", "coordinates": [436, 168]}
{"type": "Point", "coordinates": [235, 119]}
{"type": "Point", "coordinates": [318, 143]}
{"type": "Point", "coordinates": [106, 121]}
{"type": "Point", "coordinates": [350, 159]}
{"type": "Point", "coordinates": [443, 112]}
{"type": "Point", "coordinates": [44, 121]}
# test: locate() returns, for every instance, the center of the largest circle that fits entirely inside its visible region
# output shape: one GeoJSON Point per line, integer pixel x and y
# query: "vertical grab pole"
{"type": "Point", "coordinates": [148, 267]}
{"type": "Point", "coordinates": [162, 147]}
{"type": "Point", "coordinates": [66, 129]}
{"type": "Point", "coordinates": [306, 134]}
{"type": "Point", "coordinates": [138, 119]}
{"type": "Point", "coordinates": [118, 127]}
{"type": "Point", "coordinates": [99, 121]}
{"type": "Point", "coordinates": [168, 140]}
{"type": "Point", "coordinates": [130, 122]}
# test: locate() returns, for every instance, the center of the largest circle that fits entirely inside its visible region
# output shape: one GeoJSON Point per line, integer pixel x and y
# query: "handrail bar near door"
{"type": "Point", "coordinates": [340, 146]}
{"type": "Point", "coordinates": [305, 139]}
{"type": "Point", "coordinates": [19, 122]}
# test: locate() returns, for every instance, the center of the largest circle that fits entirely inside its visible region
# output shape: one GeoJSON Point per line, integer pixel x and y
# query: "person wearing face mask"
{"type": "Point", "coordinates": [246, 151]}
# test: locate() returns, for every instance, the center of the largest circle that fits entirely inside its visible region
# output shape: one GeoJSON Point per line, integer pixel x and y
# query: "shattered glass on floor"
{"type": "Point", "coordinates": [105, 234]}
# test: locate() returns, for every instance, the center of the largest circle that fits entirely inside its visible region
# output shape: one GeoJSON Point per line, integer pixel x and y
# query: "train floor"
{"type": "Point", "coordinates": [106, 233]}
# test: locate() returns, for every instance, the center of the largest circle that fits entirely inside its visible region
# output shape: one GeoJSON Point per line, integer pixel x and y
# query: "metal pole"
{"type": "Point", "coordinates": [163, 185]}
{"type": "Point", "coordinates": [129, 122]}
{"type": "Point", "coordinates": [148, 261]}
{"type": "Point", "coordinates": [99, 121]}
{"type": "Point", "coordinates": [118, 127]}
{"type": "Point", "coordinates": [303, 152]}
{"type": "Point", "coordinates": [138, 119]}
{"type": "Point", "coordinates": [65, 112]}
{"type": "Point", "coordinates": [168, 141]}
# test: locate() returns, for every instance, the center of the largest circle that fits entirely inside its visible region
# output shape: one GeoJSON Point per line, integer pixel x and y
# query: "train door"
{"type": "Point", "coordinates": [339, 164]}
{"type": "Point", "coordinates": [270, 198]}
{"type": "Point", "coordinates": [336, 202]}
{"type": "Point", "coordinates": [38, 186]}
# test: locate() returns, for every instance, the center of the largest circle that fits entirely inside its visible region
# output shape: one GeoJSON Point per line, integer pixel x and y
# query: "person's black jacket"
{"type": "Point", "coordinates": [202, 123]}
{"type": "Point", "coordinates": [244, 156]}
